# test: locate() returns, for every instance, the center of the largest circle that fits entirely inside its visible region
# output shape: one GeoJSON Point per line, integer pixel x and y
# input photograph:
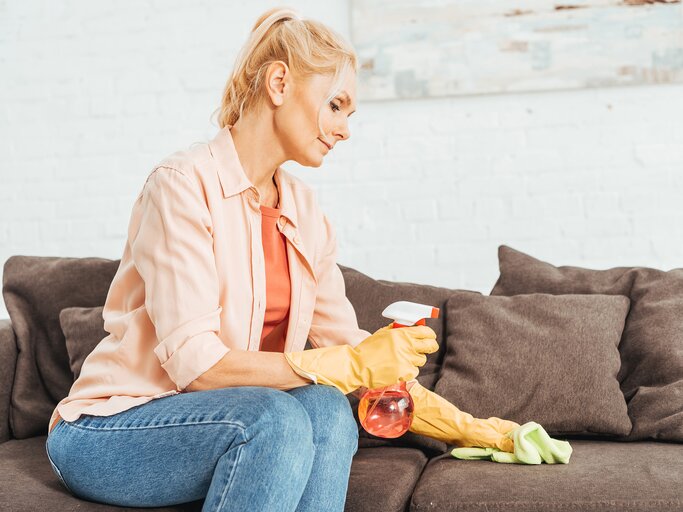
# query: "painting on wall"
{"type": "Point", "coordinates": [430, 48]}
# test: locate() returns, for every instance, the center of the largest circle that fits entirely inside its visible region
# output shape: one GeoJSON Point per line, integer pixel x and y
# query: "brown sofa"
{"type": "Point", "coordinates": [596, 357]}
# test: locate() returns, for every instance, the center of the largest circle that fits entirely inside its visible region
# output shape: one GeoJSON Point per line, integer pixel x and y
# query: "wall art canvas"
{"type": "Point", "coordinates": [430, 48]}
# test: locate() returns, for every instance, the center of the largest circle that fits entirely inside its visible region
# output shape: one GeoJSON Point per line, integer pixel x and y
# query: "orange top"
{"type": "Point", "coordinates": [191, 284]}
{"type": "Point", "coordinates": [278, 286]}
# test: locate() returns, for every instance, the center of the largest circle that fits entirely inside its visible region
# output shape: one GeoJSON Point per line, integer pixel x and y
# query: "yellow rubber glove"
{"type": "Point", "coordinates": [436, 417]}
{"type": "Point", "coordinates": [384, 358]}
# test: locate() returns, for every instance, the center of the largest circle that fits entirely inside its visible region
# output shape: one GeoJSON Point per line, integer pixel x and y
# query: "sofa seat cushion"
{"type": "Point", "coordinates": [27, 483]}
{"type": "Point", "coordinates": [383, 478]}
{"type": "Point", "coordinates": [601, 475]}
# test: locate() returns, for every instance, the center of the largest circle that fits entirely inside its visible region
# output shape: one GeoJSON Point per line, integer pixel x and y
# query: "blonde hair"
{"type": "Point", "coordinates": [308, 47]}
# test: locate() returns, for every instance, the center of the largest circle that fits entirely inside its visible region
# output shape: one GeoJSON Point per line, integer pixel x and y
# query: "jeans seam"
{"type": "Point", "coordinates": [232, 476]}
{"type": "Point", "coordinates": [56, 470]}
{"type": "Point", "coordinates": [144, 427]}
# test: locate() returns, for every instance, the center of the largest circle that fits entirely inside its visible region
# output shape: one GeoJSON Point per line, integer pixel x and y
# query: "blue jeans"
{"type": "Point", "coordinates": [239, 448]}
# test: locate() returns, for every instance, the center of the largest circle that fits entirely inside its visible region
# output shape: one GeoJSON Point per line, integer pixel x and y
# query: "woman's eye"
{"type": "Point", "coordinates": [334, 106]}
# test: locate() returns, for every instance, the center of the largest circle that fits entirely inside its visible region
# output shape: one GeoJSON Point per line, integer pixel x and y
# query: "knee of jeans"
{"type": "Point", "coordinates": [285, 415]}
{"type": "Point", "coordinates": [335, 419]}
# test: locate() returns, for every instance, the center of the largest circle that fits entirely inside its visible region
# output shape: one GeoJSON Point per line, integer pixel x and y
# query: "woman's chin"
{"type": "Point", "coordinates": [315, 161]}
{"type": "Point", "coordinates": [310, 159]}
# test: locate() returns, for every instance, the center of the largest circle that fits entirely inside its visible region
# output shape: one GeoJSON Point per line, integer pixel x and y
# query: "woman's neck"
{"type": "Point", "coordinates": [258, 153]}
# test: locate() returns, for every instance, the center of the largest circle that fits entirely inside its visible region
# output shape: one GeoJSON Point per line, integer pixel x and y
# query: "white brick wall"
{"type": "Point", "coordinates": [92, 94]}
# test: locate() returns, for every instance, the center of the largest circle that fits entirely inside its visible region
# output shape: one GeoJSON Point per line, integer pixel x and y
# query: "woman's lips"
{"type": "Point", "coordinates": [324, 144]}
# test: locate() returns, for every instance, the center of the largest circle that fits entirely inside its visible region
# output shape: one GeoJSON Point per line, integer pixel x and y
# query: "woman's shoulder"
{"type": "Point", "coordinates": [191, 161]}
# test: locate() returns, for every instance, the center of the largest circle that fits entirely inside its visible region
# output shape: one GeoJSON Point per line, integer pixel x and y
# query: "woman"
{"type": "Point", "coordinates": [202, 388]}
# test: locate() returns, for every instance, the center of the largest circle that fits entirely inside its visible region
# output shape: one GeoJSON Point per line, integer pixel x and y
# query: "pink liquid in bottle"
{"type": "Point", "coordinates": [386, 412]}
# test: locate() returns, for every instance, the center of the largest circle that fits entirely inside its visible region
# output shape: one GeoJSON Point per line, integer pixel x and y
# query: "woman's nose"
{"type": "Point", "coordinates": [343, 132]}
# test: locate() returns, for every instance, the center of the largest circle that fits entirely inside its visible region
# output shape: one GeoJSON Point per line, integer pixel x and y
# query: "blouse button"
{"type": "Point", "coordinates": [296, 239]}
{"type": "Point", "coordinates": [282, 221]}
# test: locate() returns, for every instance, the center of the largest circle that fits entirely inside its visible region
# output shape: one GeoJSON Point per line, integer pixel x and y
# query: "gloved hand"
{"type": "Point", "coordinates": [533, 445]}
{"type": "Point", "coordinates": [436, 417]}
{"type": "Point", "coordinates": [384, 358]}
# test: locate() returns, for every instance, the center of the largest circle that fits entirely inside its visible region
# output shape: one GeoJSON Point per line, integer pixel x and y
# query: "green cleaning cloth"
{"type": "Point", "coordinates": [532, 446]}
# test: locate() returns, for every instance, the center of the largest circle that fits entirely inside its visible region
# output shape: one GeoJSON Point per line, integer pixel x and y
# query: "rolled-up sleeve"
{"type": "Point", "coordinates": [334, 319]}
{"type": "Point", "coordinates": [172, 249]}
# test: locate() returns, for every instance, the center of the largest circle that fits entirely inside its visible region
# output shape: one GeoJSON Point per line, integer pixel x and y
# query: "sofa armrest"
{"type": "Point", "coordinates": [8, 363]}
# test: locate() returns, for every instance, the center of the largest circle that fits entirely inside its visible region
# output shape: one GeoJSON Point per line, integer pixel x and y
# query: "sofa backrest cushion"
{"type": "Point", "coordinates": [552, 359]}
{"type": "Point", "coordinates": [651, 348]}
{"type": "Point", "coordinates": [8, 362]}
{"type": "Point", "coordinates": [83, 329]}
{"type": "Point", "coordinates": [35, 290]}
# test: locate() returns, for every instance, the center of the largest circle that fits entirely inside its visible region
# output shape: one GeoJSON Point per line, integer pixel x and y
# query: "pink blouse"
{"type": "Point", "coordinates": [191, 285]}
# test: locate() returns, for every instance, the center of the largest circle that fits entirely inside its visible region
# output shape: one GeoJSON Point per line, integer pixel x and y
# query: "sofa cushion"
{"type": "Point", "coordinates": [552, 359]}
{"type": "Point", "coordinates": [28, 483]}
{"type": "Point", "coordinates": [83, 329]}
{"type": "Point", "coordinates": [383, 479]}
{"type": "Point", "coordinates": [601, 475]}
{"type": "Point", "coordinates": [369, 297]}
{"type": "Point", "coordinates": [35, 290]}
{"type": "Point", "coordinates": [8, 361]}
{"type": "Point", "coordinates": [651, 348]}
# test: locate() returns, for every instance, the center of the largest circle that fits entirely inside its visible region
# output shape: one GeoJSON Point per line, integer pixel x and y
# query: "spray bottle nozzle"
{"type": "Point", "coordinates": [405, 313]}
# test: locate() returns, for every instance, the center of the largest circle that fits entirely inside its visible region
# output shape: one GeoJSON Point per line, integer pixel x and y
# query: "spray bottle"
{"type": "Point", "coordinates": [388, 411]}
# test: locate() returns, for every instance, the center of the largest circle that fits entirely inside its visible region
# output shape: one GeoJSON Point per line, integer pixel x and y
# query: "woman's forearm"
{"type": "Point", "coordinates": [249, 368]}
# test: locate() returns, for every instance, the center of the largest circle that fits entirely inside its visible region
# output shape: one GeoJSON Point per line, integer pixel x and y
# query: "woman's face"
{"type": "Point", "coordinates": [296, 119]}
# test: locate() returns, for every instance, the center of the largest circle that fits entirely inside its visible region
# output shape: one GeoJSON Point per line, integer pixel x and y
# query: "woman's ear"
{"type": "Point", "coordinates": [277, 82]}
